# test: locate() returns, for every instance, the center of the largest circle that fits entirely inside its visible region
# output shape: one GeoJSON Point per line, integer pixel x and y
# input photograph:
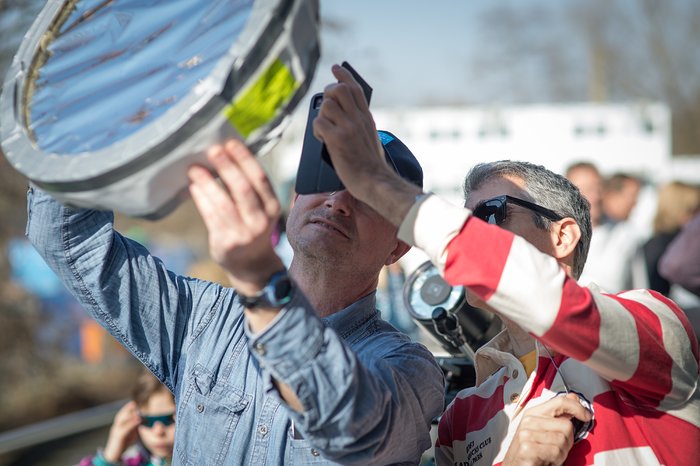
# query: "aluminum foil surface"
{"type": "Point", "coordinates": [107, 103]}
{"type": "Point", "coordinates": [116, 66]}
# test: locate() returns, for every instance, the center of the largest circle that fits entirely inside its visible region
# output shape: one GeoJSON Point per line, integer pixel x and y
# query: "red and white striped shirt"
{"type": "Point", "coordinates": [633, 355]}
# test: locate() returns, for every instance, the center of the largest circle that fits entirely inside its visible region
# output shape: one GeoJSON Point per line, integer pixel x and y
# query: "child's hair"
{"type": "Point", "coordinates": [146, 385]}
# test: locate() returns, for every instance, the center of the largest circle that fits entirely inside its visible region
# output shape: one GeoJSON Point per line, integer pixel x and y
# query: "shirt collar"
{"type": "Point", "coordinates": [346, 321]}
{"type": "Point", "coordinates": [493, 355]}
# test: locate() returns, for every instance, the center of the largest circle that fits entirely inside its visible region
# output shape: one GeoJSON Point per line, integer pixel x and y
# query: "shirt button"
{"type": "Point", "coordinates": [262, 429]}
{"type": "Point", "coordinates": [260, 348]}
{"type": "Point", "coordinates": [514, 397]}
{"type": "Point", "coordinates": [314, 452]}
{"type": "Point", "coordinates": [515, 374]}
{"type": "Point", "coordinates": [200, 407]}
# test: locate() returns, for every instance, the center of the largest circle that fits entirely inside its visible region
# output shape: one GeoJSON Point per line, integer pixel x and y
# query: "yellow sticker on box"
{"type": "Point", "coordinates": [261, 102]}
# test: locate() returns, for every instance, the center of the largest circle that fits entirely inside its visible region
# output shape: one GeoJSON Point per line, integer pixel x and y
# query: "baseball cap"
{"type": "Point", "coordinates": [401, 158]}
{"type": "Point", "coordinates": [317, 175]}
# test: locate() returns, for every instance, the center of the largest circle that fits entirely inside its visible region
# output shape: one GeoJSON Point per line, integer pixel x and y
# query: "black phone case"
{"type": "Point", "coordinates": [316, 173]}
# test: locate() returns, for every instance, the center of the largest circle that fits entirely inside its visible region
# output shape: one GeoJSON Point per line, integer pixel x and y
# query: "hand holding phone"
{"type": "Point", "coordinates": [316, 173]}
{"type": "Point", "coordinates": [366, 88]}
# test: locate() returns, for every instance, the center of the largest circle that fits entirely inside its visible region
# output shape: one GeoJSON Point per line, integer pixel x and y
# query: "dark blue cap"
{"type": "Point", "coordinates": [401, 158]}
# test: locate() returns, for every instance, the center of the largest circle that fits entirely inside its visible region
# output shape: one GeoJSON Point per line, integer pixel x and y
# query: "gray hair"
{"type": "Point", "coordinates": [545, 188]}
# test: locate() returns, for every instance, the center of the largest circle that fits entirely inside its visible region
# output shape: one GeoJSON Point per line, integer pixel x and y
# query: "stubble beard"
{"type": "Point", "coordinates": [320, 255]}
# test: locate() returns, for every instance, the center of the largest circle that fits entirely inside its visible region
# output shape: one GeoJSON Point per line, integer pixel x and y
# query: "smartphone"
{"type": "Point", "coordinates": [316, 173]}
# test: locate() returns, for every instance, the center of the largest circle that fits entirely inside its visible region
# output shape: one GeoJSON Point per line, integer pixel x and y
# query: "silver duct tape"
{"type": "Point", "coordinates": [248, 94]}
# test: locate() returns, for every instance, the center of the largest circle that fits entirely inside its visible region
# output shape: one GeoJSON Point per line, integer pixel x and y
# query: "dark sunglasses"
{"type": "Point", "coordinates": [495, 210]}
{"type": "Point", "coordinates": [150, 421]}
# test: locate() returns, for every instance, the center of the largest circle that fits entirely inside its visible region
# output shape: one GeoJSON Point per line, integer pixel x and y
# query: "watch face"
{"type": "Point", "coordinates": [282, 288]}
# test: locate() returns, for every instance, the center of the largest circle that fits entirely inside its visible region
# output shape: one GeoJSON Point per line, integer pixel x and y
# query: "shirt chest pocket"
{"type": "Point", "coordinates": [300, 452]}
{"type": "Point", "coordinates": [207, 418]}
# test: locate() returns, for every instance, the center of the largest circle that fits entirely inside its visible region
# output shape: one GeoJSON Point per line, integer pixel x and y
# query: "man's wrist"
{"type": "Point", "coordinates": [252, 278]}
{"type": "Point", "coordinates": [274, 294]}
{"type": "Point", "coordinates": [392, 197]}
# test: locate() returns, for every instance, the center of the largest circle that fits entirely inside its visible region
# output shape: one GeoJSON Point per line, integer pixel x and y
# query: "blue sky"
{"type": "Point", "coordinates": [408, 50]}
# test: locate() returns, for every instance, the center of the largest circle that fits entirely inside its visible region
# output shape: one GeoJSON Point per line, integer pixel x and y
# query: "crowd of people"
{"type": "Point", "coordinates": [293, 364]}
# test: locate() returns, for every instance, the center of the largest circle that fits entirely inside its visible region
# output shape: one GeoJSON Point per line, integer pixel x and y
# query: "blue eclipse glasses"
{"type": "Point", "coordinates": [165, 419]}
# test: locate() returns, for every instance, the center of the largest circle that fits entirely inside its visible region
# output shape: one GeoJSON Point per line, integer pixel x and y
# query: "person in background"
{"type": "Point", "coordinates": [613, 244]}
{"type": "Point", "coordinates": [680, 262]}
{"type": "Point", "coordinates": [586, 177]}
{"type": "Point", "coordinates": [578, 376]}
{"type": "Point", "coordinates": [677, 202]}
{"type": "Point", "coordinates": [143, 431]}
{"type": "Point", "coordinates": [620, 194]}
{"type": "Point", "coordinates": [390, 300]}
{"type": "Point", "coordinates": [680, 265]}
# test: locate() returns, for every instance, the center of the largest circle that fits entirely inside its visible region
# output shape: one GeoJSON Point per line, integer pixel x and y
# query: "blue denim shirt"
{"type": "Point", "coordinates": [369, 393]}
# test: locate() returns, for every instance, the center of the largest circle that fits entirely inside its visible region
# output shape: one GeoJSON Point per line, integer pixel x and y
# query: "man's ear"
{"type": "Point", "coordinates": [398, 252]}
{"type": "Point", "coordinates": [565, 236]}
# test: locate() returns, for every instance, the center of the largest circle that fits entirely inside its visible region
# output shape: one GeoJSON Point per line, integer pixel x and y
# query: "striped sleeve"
{"type": "Point", "coordinates": [638, 340]}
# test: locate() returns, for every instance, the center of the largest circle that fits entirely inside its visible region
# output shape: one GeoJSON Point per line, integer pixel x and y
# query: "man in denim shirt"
{"type": "Point", "coordinates": [306, 373]}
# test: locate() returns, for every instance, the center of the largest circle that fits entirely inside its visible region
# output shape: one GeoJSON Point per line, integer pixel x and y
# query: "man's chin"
{"type": "Point", "coordinates": [319, 249]}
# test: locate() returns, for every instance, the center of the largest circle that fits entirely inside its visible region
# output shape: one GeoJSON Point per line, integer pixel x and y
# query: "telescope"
{"type": "Point", "coordinates": [107, 103]}
{"type": "Point", "coordinates": [444, 312]}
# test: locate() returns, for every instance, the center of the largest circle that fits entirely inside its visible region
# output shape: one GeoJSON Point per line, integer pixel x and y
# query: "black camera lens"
{"type": "Point", "coordinates": [435, 290]}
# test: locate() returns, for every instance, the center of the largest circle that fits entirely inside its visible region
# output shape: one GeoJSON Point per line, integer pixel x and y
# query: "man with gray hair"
{"type": "Point", "coordinates": [625, 365]}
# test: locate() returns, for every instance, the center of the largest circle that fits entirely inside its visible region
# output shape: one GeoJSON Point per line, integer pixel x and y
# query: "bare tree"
{"type": "Point", "coordinates": [599, 50]}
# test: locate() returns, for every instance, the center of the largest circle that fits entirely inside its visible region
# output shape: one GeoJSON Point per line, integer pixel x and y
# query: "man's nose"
{"type": "Point", "coordinates": [340, 201]}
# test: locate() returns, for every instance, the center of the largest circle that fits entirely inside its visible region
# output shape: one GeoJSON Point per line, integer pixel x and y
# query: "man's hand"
{"type": "Point", "coordinates": [240, 214]}
{"type": "Point", "coordinates": [546, 434]}
{"type": "Point", "coordinates": [240, 217]}
{"type": "Point", "coordinates": [123, 432]}
{"type": "Point", "coordinates": [345, 124]}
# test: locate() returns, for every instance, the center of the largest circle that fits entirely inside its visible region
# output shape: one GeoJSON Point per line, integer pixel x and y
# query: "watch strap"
{"type": "Point", "coordinates": [277, 292]}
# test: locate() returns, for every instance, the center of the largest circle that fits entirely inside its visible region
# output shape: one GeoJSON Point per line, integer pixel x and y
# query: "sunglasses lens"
{"type": "Point", "coordinates": [491, 211]}
{"type": "Point", "coordinates": [150, 421]}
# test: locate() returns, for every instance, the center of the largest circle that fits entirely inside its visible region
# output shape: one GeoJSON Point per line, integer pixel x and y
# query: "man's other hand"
{"type": "Point", "coordinates": [546, 434]}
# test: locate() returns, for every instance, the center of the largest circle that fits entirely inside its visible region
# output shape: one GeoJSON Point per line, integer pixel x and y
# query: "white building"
{"type": "Point", "coordinates": [633, 138]}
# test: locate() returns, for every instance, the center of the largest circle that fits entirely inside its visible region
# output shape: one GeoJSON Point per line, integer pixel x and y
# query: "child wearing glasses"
{"type": "Point", "coordinates": [143, 431]}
